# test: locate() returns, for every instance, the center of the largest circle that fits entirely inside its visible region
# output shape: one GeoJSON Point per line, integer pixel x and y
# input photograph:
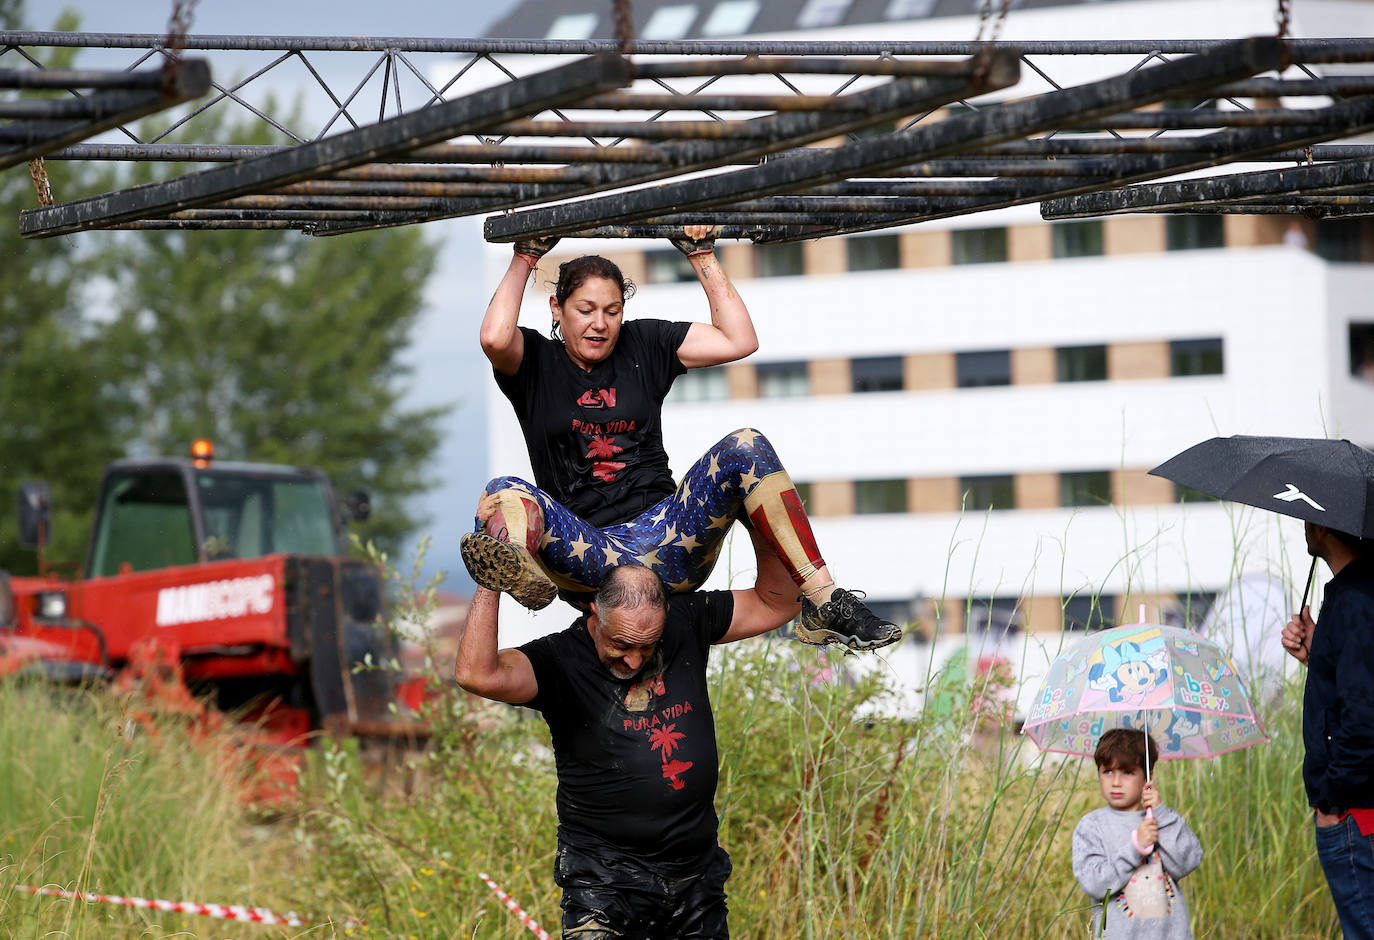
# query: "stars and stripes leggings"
{"type": "Point", "coordinates": [680, 537]}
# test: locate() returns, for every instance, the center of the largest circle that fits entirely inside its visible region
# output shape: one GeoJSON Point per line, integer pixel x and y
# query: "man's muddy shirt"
{"type": "Point", "coordinates": [636, 758]}
{"type": "Point", "coordinates": [595, 439]}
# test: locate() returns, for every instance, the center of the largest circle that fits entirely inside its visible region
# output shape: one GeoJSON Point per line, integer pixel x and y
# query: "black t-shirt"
{"type": "Point", "coordinates": [595, 438]}
{"type": "Point", "coordinates": [636, 758]}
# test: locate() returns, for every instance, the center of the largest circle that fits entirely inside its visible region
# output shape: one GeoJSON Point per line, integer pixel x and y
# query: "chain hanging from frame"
{"type": "Point", "coordinates": [624, 26]}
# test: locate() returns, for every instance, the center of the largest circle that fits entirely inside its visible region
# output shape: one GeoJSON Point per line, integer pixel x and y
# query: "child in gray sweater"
{"type": "Point", "coordinates": [1134, 849]}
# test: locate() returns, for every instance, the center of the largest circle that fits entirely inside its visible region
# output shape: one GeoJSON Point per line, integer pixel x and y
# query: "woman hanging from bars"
{"type": "Point", "coordinates": [589, 401]}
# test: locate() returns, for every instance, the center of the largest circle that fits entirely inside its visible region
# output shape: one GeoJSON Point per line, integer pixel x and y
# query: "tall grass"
{"type": "Point", "coordinates": [93, 801]}
{"type": "Point", "coordinates": [839, 824]}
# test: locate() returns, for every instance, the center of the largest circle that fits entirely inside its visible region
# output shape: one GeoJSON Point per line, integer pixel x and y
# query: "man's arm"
{"type": "Point", "coordinates": [500, 675]}
{"type": "Point", "coordinates": [773, 600]}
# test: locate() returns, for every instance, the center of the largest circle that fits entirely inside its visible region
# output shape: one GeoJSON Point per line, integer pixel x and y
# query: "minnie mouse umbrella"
{"type": "Point", "coordinates": [1148, 677]}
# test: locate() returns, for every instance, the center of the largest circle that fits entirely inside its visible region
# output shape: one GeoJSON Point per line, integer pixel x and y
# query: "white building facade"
{"type": "Point", "coordinates": [971, 406]}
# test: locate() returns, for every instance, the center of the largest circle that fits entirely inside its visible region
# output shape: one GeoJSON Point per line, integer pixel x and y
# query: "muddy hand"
{"type": "Point", "coordinates": [696, 239]}
{"type": "Point", "coordinates": [536, 247]}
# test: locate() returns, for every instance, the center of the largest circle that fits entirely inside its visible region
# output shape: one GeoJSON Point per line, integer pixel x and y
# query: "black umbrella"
{"type": "Point", "coordinates": [1323, 481]}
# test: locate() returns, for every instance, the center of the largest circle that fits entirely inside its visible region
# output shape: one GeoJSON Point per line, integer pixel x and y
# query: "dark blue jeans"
{"type": "Point", "coordinates": [628, 899]}
{"type": "Point", "coordinates": [1347, 858]}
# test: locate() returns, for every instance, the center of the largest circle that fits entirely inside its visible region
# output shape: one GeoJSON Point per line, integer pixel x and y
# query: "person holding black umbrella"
{"type": "Point", "coordinates": [1338, 721]}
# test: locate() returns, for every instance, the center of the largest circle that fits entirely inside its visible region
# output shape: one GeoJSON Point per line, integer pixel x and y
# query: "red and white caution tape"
{"type": "Point", "coordinates": [514, 908]}
{"type": "Point", "coordinates": [255, 915]}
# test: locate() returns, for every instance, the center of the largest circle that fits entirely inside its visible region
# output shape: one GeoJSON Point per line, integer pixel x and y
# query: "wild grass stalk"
{"type": "Point", "coordinates": [97, 802]}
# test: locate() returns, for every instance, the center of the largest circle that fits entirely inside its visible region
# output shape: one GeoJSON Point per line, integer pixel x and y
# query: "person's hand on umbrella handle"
{"type": "Point", "coordinates": [1149, 797]}
{"type": "Point", "coordinates": [1145, 834]}
{"type": "Point", "coordinates": [1297, 635]}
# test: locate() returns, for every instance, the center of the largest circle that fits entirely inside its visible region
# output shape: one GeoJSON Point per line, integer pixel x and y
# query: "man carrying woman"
{"type": "Point", "coordinates": [589, 402]}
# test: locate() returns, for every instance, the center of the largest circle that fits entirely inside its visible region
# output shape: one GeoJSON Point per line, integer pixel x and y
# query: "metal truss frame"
{"type": "Point", "coordinates": [40, 124]}
{"type": "Point", "coordinates": [574, 150]}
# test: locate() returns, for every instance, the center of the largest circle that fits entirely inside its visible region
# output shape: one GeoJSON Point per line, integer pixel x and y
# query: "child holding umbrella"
{"type": "Point", "coordinates": [1133, 852]}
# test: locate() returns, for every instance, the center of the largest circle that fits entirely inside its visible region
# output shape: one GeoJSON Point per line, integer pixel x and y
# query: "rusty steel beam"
{"type": "Point", "coordinates": [1298, 50]}
{"type": "Point", "coordinates": [368, 202]}
{"type": "Point", "coordinates": [1207, 118]}
{"type": "Point", "coordinates": [995, 124]}
{"type": "Point", "coordinates": [438, 153]}
{"type": "Point", "coordinates": [377, 187]}
{"type": "Point", "coordinates": [1269, 185]}
{"type": "Point", "coordinates": [639, 130]}
{"type": "Point", "coordinates": [996, 70]}
{"type": "Point", "coordinates": [697, 101]}
{"type": "Point", "coordinates": [51, 123]}
{"type": "Point", "coordinates": [1354, 116]}
{"type": "Point", "coordinates": [352, 148]}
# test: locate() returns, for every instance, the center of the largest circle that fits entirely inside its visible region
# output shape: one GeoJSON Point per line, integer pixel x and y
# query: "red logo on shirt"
{"type": "Point", "coordinates": [665, 740]}
{"type": "Point", "coordinates": [601, 448]}
{"type": "Point", "coordinates": [601, 398]}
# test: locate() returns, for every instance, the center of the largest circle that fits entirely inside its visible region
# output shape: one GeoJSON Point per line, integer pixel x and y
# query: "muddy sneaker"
{"type": "Point", "coordinates": [844, 619]}
{"type": "Point", "coordinates": [500, 566]}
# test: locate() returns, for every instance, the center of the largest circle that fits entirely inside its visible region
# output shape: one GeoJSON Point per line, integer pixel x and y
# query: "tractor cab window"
{"type": "Point", "coordinates": [144, 523]}
{"type": "Point", "coordinates": [251, 516]}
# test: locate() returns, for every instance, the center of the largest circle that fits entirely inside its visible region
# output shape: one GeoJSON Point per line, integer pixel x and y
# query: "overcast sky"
{"type": "Point", "coordinates": [449, 364]}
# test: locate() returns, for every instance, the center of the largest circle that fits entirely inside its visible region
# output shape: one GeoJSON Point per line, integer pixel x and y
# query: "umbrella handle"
{"type": "Point", "coordinates": [1307, 585]}
{"type": "Point", "coordinates": [1306, 590]}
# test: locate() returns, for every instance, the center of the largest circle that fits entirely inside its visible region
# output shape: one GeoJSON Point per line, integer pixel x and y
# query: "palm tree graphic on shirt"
{"type": "Point", "coordinates": [601, 448]}
{"type": "Point", "coordinates": [665, 741]}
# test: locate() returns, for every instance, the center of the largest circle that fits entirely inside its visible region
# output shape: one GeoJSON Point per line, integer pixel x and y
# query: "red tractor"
{"type": "Point", "coordinates": [231, 576]}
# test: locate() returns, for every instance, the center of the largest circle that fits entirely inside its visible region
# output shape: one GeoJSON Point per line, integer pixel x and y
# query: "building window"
{"type": "Point", "coordinates": [908, 9]}
{"type": "Point", "coordinates": [707, 384]}
{"type": "Point", "coordinates": [731, 18]}
{"type": "Point", "coordinates": [818, 13]}
{"type": "Point", "coordinates": [986, 367]}
{"type": "Point", "coordinates": [876, 374]}
{"type": "Point", "coordinates": [668, 267]}
{"type": "Point", "coordinates": [778, 260]}
{"type": "Point", "coordinates": [1339, 239]}
{"type": "Point", "coordinates": [979, 245]}
{"type": "Point", "coordinates": [782, 379]}
{"type": "Point", "coordinates": [1089, 612]}
{"type": "Point", "coordinates": [572, 26]}
{"type": "Point", "coordinates": [1190, 609]}
{"type": "Point", "coordinates": [875, 496]}
{"type": "Point", "coordinates": [1362, 351]}
{"type": "Point", "coordinates": [1080, 364]}
{"type": "Point", "coordinates": [998, 617]}
{"type": "Point", "coordinates": [1085, 488]}
{"type": "Point", "coordinates": [1077, 239]}
{"type": "Point", "coordinates": [982, 493]}
{"type": "Point", "coordinates": [1196, 357]}
{"type": "Point", "coordinates": [670, 22]}
{"type": "Point", "coordinates": [1185, 232]}
{"type": "Point", "coordinates": [874, 252]}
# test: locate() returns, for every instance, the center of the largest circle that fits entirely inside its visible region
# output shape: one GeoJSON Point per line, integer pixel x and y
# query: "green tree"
{"type": "Point", "coordinates": [57, 417]}
{"type": "Point", "coordinates": [280, 347]}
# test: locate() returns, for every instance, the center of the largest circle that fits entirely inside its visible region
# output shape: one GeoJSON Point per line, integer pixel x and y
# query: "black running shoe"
{"type": "Point", "coordinates": [501, 566]}
{"type": "Point", "coordinates": [845, 620]}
